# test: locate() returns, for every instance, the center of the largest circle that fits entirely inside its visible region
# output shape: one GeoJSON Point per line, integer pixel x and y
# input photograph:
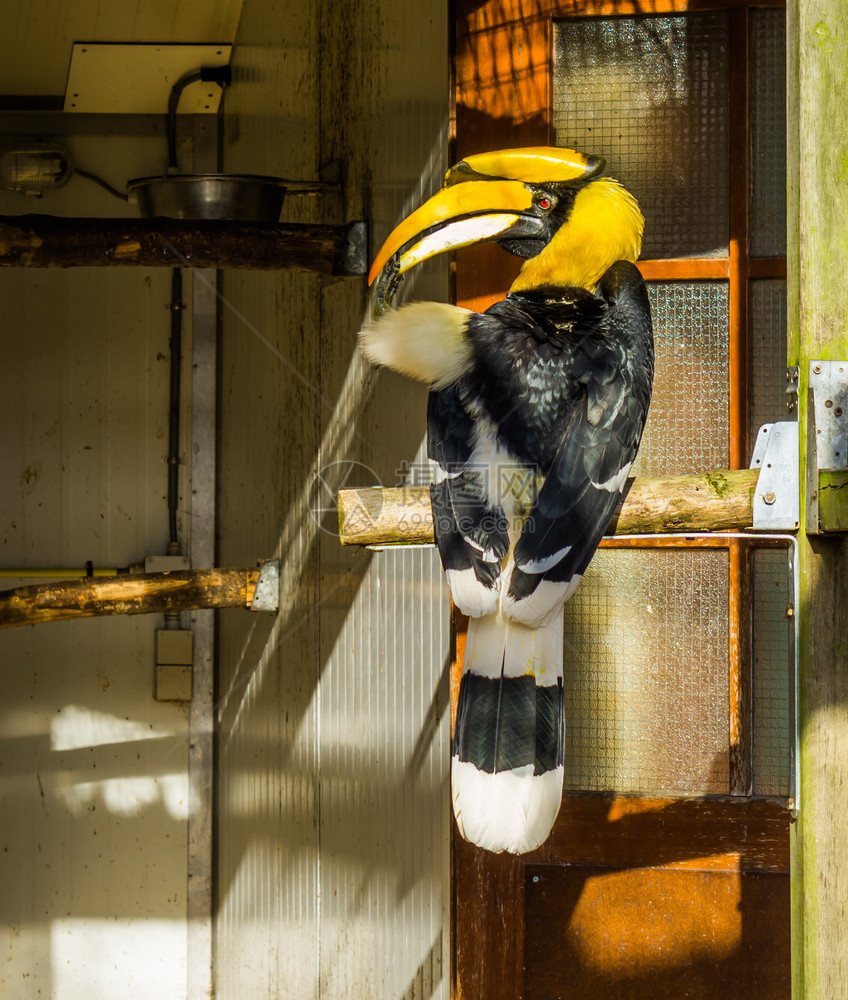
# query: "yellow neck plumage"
{"type": "Point", "coordinates": [605, 225]}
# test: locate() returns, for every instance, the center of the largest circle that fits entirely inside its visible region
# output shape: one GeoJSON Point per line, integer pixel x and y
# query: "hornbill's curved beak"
{"type": "Point", "coordinates": [486, 197]}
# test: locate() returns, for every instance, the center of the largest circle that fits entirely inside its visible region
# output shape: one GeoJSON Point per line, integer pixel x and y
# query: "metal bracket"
{"type": "Point", "coordinates": [827, 433]}
{"type": "Point", "coordinates": [267, 595]}
{"type": "Point", "coordinates": [354, 258]}
{"type": "Point", "coordinates": [777, 500]}
{"type": "Point", "coordinates": [793, 377]}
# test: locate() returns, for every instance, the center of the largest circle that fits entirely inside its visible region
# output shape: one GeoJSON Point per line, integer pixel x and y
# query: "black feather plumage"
{"type": "Point", "coordinates": [564, 378]}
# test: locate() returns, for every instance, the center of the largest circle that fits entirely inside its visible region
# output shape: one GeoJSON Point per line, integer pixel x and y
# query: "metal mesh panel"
{"type": "Point", "coordinates": [768, 134]}
{"type": "Point", "coordinates": [688, 423]}
{"type": "Point", "coordinates": [771, 596]}
{"type": "Point", "coordinates": [646, 667]}
{"type": "Point", "coordinates": [768, 353]}
{"type": "Point", "coordinates": [769, 580]}
{"type": "Point", "coordinates": [651, 95]}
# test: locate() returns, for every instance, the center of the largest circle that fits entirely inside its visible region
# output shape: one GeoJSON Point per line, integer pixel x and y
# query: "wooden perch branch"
{"type": "Point", "coordinates": [49, 241]}
{"type": "Point", "coordinates": [720, 500]}
{"type": "Point", "coordinates": [131, 594]}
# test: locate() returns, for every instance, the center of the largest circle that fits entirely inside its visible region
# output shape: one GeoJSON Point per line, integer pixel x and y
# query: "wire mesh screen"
{"type": "Point", "coordinates": [768, 353]}
{"type": "Point", "coordinates": [688, 423]}
{"type": "Point", "coordinates": [771, 595]}
{"type": "Point", "coordinates": [646, 673]}
{"type": "Point", "coordinates": [768, 134]}
{"type": "Point", "coordinates": [770, 584]}
{"type": "Point", "coordinates": [651, 95]}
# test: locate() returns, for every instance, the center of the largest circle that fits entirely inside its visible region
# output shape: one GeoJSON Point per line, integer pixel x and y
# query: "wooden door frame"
{"type": "Point", "coordinates": [817, 308]}
{"type": "Point", "coordinates": [502, 97]}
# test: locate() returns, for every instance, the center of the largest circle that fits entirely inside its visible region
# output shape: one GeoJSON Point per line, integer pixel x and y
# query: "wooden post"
{"type": "Point", "coordinates": [131, 594]}
{"type": "Point", "coordinates": [720, 500]}
{"type": "Point", "coordinates": [817, 71]}
{"type": "Point", "coordinates": [48, 241]}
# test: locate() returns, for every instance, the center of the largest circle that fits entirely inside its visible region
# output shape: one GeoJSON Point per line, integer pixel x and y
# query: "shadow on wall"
{"type": "Point", "coordinates": [333, 798]}
{"type": "Point", "coordinates": [95, 810]}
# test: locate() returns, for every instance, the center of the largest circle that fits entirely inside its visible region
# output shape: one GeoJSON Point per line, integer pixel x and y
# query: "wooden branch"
{"type": "Point", "coordinates": [720, 500]}
{"type": "Point", "coordinates": [48, 241]}
{"type": "Point", "coordinates": [130, 594]}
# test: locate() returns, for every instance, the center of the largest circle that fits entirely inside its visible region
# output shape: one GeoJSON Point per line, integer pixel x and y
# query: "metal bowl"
{"type": "Point", "coordinates": [236, 197]}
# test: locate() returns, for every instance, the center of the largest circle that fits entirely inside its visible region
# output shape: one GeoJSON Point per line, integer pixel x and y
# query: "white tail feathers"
{"type": "Point", "coordinates": [507, 766]}
{"type": "Point", "coordinates": [508, 811]}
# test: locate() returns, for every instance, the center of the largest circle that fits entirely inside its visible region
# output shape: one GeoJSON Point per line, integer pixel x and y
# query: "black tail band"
{"type": "Point", "coordinates": [509, 722]}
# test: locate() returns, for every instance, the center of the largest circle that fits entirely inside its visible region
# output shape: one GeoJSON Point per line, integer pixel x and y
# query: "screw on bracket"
{"type": "Point", "coordinates": [792, 378]}
{"type": "Point", "coordinates": [776, 498]}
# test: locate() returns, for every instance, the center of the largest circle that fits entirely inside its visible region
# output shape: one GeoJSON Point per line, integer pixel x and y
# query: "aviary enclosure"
{"type": "Point", "coordinates": [276, 822]}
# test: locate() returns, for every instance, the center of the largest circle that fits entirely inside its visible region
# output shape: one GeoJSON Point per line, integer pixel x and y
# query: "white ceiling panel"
{"type": "Point", "coordinates": [136, 79]}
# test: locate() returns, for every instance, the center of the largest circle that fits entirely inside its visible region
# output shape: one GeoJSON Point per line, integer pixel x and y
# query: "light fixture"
{"type": "Point", "coordinates": [34, 167]}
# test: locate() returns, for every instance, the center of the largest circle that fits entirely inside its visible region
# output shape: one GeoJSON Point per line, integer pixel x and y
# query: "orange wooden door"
{"type": "Point", "coordinates": [667, 871]}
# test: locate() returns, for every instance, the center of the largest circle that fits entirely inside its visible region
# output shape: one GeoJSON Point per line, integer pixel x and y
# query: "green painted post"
{"type": "Point", "coordinates": [817, 69]}
{"type": "Point", "coordinates": [833, 499]}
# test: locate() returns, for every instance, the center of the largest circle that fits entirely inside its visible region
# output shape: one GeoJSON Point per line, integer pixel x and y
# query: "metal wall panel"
{"type": "Point", "coordinates": [333, 807]}
{"type": "Point", "coordinates": [384, 799]}
{"type": "Point", "coordinates": [92, 769]}
{"type": "Point", "coordinates": [267, 834]}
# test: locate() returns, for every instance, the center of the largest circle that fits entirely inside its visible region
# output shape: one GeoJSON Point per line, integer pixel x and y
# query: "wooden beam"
{"type": "Point", "coordinates": [48, 241]}
{"type": "Point", "coordinates": [833, 499]}
{"type": "Point", "coordinates": [720, 500]}
{"type": "Point", "coordinates": [684, 269]}
{"type": "Point", "coordinates": [817, 137]}
{"type": "Point", "coordinates": [596, 8]}
{"type": "Point", "coordinates": [130, 594]}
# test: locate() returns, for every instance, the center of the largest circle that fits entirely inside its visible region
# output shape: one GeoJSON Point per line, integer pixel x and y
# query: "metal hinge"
{"type": "Point", "coordinates": [793, 375]}
{"type": "Point", "coordinates": [777, 499]}
{"type": "Point", "coordinates": [827, 447]}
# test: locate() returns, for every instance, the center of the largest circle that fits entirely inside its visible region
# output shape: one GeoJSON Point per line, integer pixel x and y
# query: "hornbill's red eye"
{"type": "Point", "coordinates": [545, 202]}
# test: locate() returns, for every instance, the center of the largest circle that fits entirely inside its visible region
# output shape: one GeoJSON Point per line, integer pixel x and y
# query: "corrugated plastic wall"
{"type": "Point", "coordinates": [333, 811]}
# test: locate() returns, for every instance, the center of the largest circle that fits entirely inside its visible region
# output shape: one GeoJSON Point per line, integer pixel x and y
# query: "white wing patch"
{"type": "Point", "coordinates": [487, 555]}
{"type": "Point", "coordinates": [507, 482]}
{"type": "Point", "coordinates": [438, 473]}
{"type": "Point", "coordinates": [614, 483]}
{"type": "Point", "coordinates": [543, 565]}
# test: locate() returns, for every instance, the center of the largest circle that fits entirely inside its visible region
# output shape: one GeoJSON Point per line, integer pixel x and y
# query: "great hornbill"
{"type": "Point", "coordinates": [535, 414]}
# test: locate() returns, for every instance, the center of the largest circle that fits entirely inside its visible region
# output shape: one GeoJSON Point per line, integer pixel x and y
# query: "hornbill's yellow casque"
{"type": "Point", "coordinates": [535, 414]}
